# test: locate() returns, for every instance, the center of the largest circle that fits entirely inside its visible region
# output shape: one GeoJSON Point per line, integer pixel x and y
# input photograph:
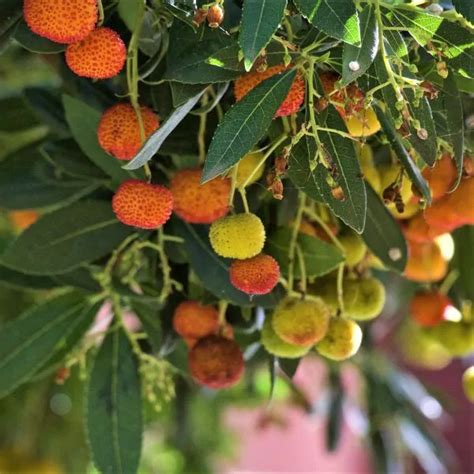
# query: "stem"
{"type": "Point", "coordinates": [340, 287]}
{"type": "Point", "coordinates": [202, 131]}
{"type": "Point", "coordinates": [100, 8]}
{"type": "Point", "coordinates": [310, 213]}
{"type": "Point", "coordinates": [449, 282]}
{"type": "Point", "coordinates": [294, 237]}
{"type": "Point", "coordinates": [299, 254]}
{"type": "Point", "coordinates": [222, 310]}
{"type": "Point", "coordinates": [243, 195]}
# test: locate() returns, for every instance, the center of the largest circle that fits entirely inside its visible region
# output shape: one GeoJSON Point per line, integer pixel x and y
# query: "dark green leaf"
{"type": "Point", "coordinates": [245, 124]}
{"type": "Point", "coordinates": [27, 342]}
{"type": "Point", "coordinates": [149, 316]}
{"type": "Point", "coordinates": [153, 144]}
{"type": "Point", "coordinates": [34, 43]}
{"type": "Point", "coordinates": [181, 93]}
{"type": "Point", "coordinates": [213, 270]}
{"type": "Point", "coordinates": [319, 257]}
{"type": "Point", "coordinates": [16, 115]}
{"type": "Point", "coordinates": [114, 407]}
{"type": "Point", "coordinates": [13, 279]}
{"type": "Point", "coordinates": [465, 8]}
{"type": "Point", "coordinates": [335, 414]}
{"type": "Point", "coordinates": [66, 238]}
{"type": "Point", "coordinates": [84, 121]}
{"type": "Point", "coordinates": [28, 181]}
{"type": "Point", "coordinates": [337, 18]}
{"type": "Point", "coordinates": [410, 167]}
{"type": "Point", "coordinates": [128, 11]}
{"type": "Point", "coordinates": [383, 234]}
{"type": "Point", "coordinates": [464, 261]}
{"type": "Point", "coordinates": [365, 54]}
{"type": "Point", "coordinates": [289, 366]}
{"type": "Point", "coordinates": [227, 58]}
{"type": "Point", "coordinates": [10, 14]}
{"type": "Point", "coordinates": [260, 19]}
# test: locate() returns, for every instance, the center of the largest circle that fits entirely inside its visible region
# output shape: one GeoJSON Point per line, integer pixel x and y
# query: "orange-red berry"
{"type": "Point", "coordinates": [199, 203]}
{"type": "Point", "coordinates": [193, 320]}
{"type": "Point", "coordinates": [216, 362]}
{"type": "Point", "coordinates": [429, 308]}
{"type": "Point", "coordinates": [441, 177]}
{"type": "Point", "coordinates": [255, 276]}
{"type": "Point", "coordinates": [119, 130]}
{"type": "Point", "coordinates": [23, 219]}
{"type": "Point", "coordinates": [101, 55]}
{"type": "Point", "coordinates": [143, 205]}
{"type": "Point", "coordinates": [62, 21]}
{"type": "Point", "coordinates": [244, 84]}
{"type": "Point", "coordinates": [215, 16]}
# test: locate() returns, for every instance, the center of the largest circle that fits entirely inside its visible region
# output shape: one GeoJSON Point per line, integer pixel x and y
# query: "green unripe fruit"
{"type": "Point", "coordinates": [456, 337]}
{"type": "Point", "coordinates": [277, 346]}
{"type": "Point", "coordinates": [301, 323]}
{"type": "Point", "coordinates": [342, 340]}
{"type": "Point", "coordinates": [354, 247]}
{"type": "Point", "coordinates": [468, 383]}
{"type": "Point", "coordinates": [239, 236]}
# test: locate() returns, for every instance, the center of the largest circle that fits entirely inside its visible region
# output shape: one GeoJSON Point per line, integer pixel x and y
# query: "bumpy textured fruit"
{"type": "Point", "coordinates": [216, 362]}
{"type": "Point", "coordinates": [429, 308]}
{"type": "Point", "coordinates": [418, 230]}
{"type": "Point", "coordinates": [366, 161]}
{"type": "Point", "coordinates": [23, 219]}
{"type": "Point", "coordinates": [101, 55]}
{"type": "Point", "coordinates": [277, 346]}
{"type": "Point", "coordinates": [354, 247]}
{"type": "Point", "coordinates": [62, 21]}
{"type": "Point", "coordinates": [246, 167]}
{"type": "Point", "coordinates": [342, 340]}
{"type": "Point", "coordinates": [294, 99]}
{"type": "Point", "coordinates": [119, 130]}
{"type": "Point", "coordinates": [441, 177]}
{"type": "Point", "coordinates": [456, 337]}
{"type": "Point", "coordinates": [199, 203]}
{"type": "Point", "coordinates": [255, 276]}
{"type": "Point", "coordinates": [143, 205]}
{"type": "Point", "coordinates": [468, 383]}
{"type": "Point", "coordinates": [239, 236]}
{"type": "Point", "coordinates": [301, 322]}
{"type": "Point", "coordinates": [193, 320]}
{"type": "Point", "coordinates": [425, 262]}
{"type": "Point", "coordinates": [363, 124]}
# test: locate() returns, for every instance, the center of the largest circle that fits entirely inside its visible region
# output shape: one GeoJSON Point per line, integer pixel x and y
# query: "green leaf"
{"type": "Point", "coordinates": [245, 124]}
{"type": "Point", "coordinates": [27, 342]}
{"type": "Point", "coordinates": [34, 43]}
{"type": "Point", "coordinates": [28, 181]}
{"type": "Point", "coordinates": [227, 58]}
{"type": "Point", "coordinates": [405, 159]}
{"type": "Point", "coordinates": [336, 18]}
{"type": "Point", "coordinates": [426, 147]}
{"type": "Point", "coordinates": [10, 14]}
{"type": "Point", "coordinates": [128, 12]}
{"type": "Point", "coordinates": [66, 238]}
{"type": "Point", "coordinates": [17, 280]}
{"type": "Point", "coordinates": [114, 407]}
{"type": "Point", "coordinates": [465, 8]}
{"type": "Point", "coordinates": [260, 19]}
{"type": "Point", "coordinates": [149, 316]}
{"type": "Point", "coordinates": [319, 257]}
{"type": "Point", "coordinates": [84, 121]}
{"type": "Point", "coordinates": [153, 144]}
{"type": "Point", "coordinates": [335, 414]}
{"type": "Point", "coordinates": [365, 54]}
{"type": "Point", "coordinates": [289, 366]}
{"type": "Point", "coordinates": [213, 271]}
{"type": "Point", "coordinates": [181, 93]}
{"type": "Point", "coordinates": [464, 261]}
{"type": "Point", "coordinates": [383, 234]}
{"type": "Point", "coordinates": [16, 115]}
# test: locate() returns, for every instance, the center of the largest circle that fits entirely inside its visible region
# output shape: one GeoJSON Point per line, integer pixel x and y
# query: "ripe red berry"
{"type": "Point", "coordinates": [101, 55]}
{"type": "Point", "coordinates": [62, 21]}
{"type": "Point", "coordinates": [199, 203]}
{"type": "Point", "coordinates": [193, 320]}
{"type": "Point", "coordinates": [244, 84]}
{"type": "Point", "coordinates": [216, 362]}
{"type": "Point", "coordinates": [430, 308]}
{"type": "Point", "coordinates": [143, 205]}
{"type": "Point", "coordinates": [119, 130]}
{"type": "Point", "coordinates": [215, 16]}
{"type": "Point", "coordinates": [255, 276]}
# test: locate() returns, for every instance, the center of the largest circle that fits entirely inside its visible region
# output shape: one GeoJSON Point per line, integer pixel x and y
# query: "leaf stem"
{"type": "Point", "coordinates": [294, 237]}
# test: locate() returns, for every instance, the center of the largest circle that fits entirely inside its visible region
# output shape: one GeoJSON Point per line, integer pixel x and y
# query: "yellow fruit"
{"type": "Point", "coordinates": [277, 346]}
{"type": "Point", "coordinates": [355, 248]}
{"type": "Point", "coordinates": [363, 299]}
{"type": "Point", "coordinates": [366, 161]}
{"type": "Point", "coordinates": [468, 383]}
{"type": "Point", "coordinates": [456, 337]}
{"type": "Point", "coordinates": [246, 167]}
{"type": "Point", "coordinates": [342, 340]}
{"type": "Point", "coordinates": [421, 350]}
{"type": "Point", "coordinates": [239, 236]}
{"type": "Point", "coordinates": [301, 322]}
{"type": "Point", "coordinates": [363, 123]}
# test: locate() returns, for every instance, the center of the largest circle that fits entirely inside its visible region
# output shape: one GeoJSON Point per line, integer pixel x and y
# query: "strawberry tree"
{"type": "Point", "coordinates": [237, 185]}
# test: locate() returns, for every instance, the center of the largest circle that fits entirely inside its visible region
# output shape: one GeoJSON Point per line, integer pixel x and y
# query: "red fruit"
{"type": "Point", "coordinates": [215, 16]}
{"type": "Point", "coordinates": [192, 320]}
{"type": "Point", "coordinates": [441, 177]}
{"type": "Point", "coordinates": [62, 21]}
{"type": "Point", "coordinates": [429, 308]}
{"type": "Point", "coordinates": [199, 203]}
{"type": "Point", "coordinates": [294, 99]}
{"type": "Point", "coordinates": [143, 205]}
{"type": "Point", "coordinates": [119, 130]}
{"type": "Point", "coordinates": [101, 55]}
{"type": "Point", "coordinates": [255, 276]}
{"type": "Point", "coordinates": [216, 362]}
